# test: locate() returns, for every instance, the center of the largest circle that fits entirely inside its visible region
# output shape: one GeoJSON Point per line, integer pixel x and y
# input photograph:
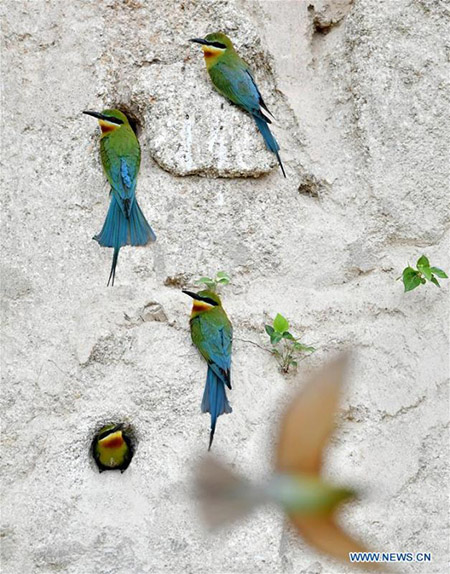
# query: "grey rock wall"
{"type": "Point", "coordinates": [361, 96]}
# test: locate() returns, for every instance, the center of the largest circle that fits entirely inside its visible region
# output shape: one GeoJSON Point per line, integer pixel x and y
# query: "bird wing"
{"type": "Point", "coordinates": [261, 101]}
{"type": "Point", "coordinates": [237, 84]}
{"type": "Point", "coordinates": [222, 494]}
{"type": "Point", "coordinates": [212, 334]}
{"type": "Point", "coordinates": [309, 421]}
{"type": "Point", "coordinates": [121, 164]}
{"type": "Point", "coordinates": [326, 535]}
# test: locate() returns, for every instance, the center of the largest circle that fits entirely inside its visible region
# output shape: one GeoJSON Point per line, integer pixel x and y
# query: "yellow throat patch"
{"type": "Point", "coordinates": [112, 441]}
{"type": "Point", "coordinates": [199, 306]}
{"type": "Point", "coordinates": [107, 127]}
{"type": "Point", "coordinates": [112, 449]}
{"type": "Point", "coordinates": [211, 53]}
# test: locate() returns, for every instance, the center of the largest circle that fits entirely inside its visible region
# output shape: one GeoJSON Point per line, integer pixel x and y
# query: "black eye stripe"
{"type": "Point", "coordinates": [113, 120]}
{"type": "Point", "coordinates": [217, 45]}
{"type": "Point", "coordinates": [198, 297]}
{"type": "Point", "coordinates": [107, 432]}
{"type": "Point", "coordinates": [209, 301]}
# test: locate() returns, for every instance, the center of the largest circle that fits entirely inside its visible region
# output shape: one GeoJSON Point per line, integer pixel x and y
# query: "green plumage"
{"type": "Point", "coordinates": [231, 76]}
{"type": "Point", "coordinates": [120, 153]}
{"type": "Point", "coordinates": [212, 334]}
{"type": "Point", "coordinates": [118, 148]}
{"type": "Point", "coordinates": [112, 448]}
{"type": "Point", "coordinates": [306, 493]}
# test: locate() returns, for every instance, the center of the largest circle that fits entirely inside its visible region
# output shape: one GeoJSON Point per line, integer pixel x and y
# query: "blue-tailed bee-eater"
{"type": "Point", "coordinates": [212, 334]}
{"type": "Point", "coordinates": [112, 448]}
{"type": "Point", "coordinates": [309, 501]}
{"type": "Point", "coordinates": [232, 78]}
{"type": "Point", "coordinates": [120, 153]}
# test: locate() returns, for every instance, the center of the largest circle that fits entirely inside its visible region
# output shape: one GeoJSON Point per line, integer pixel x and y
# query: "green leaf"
{"type": "Point", "coordinates": [280, 324]}
{"type": "Point", "coordinates": [223, 275]}
{"type": "Point", "coordinates": [304, 348]}
{"type": "Point", "coordinates": [293, 363]}
{"type": "Point", "coordinates": [411, 279]}
{"type": "Point", "coordinates": [223, 281]}
{"type": "Point", "coordinates": [435, 281]}
{"type": "Point", "coordinates": [206, 280]}
{"type": "Point", "coordinates": [269, 330]}
{"type": "Point", "coordinates": [427, 273]}
{"type": "Point", "coordinates": [287, 335]}
{"type": "Point", "coordinates": [422, 263]}
{"type": "Point", "coordinates": [439, 272]}
{"type": "Point", "coordinates": [275, 338]}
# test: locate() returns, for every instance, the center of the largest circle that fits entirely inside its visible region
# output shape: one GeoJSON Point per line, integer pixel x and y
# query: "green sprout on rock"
{"type": "Point", "coordinates": [222, 278]}
{"type": "Point", "coordinates": [412, 278]}
{"type": "Point", "coordinates": [285, 347]}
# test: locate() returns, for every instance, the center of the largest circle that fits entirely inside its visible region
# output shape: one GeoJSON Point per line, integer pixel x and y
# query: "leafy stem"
{"type": "Point", "coordinates": [221, 278]}
{"type": "Point", "coordinates": [412, 278]}
{"type": "Point", "coordinates": [285, 347]}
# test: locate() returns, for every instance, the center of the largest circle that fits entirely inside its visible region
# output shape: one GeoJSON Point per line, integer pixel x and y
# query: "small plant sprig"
{"type": "Point", "coordinates": [222, 278]}
{"type": "Point", "coordinates": [412, 278]}
{"type": "Point", "coordinates": [285, 347]}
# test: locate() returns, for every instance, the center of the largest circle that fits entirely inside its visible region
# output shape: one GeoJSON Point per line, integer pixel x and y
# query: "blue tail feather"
{"type": "Point", "coordinates": [112, 273]}
{"type": "Point", "coordinates": [271, 142]}
{"type": "Point", "coordinates": [214, 401]}
{"type": "Point", "coordinates": [140, 231]}
{"type": "Point", "coordinates": [119, 230]}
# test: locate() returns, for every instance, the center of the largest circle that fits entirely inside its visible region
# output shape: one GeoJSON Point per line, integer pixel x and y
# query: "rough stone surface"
{"type": "Point", "coordinates": [363, 123]}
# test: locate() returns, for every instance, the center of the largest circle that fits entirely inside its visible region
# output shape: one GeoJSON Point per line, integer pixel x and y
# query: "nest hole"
{"type": "Point", "coordinates": [134, 116]}
{"type": "Point", "coordinates": [112, 458]}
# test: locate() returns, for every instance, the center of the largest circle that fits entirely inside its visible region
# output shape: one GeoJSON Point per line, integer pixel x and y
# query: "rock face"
{"type": "Point", "coordinates": [360, 95]}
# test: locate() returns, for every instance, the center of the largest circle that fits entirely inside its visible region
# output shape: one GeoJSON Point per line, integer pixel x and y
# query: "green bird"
{"type": "Point", "coordinates": [212, 334]}
{"type": "Point", "coordinates": [310, 502]}
{"type": "Point", "coordinates": [232, 78]}
{"type": "Point", "coordinates": [120, 153]}
{"type": "Point", "coordinates": [112, 448]}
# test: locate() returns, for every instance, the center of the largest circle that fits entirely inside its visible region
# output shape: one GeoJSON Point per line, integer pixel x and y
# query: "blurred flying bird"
{"type": "Point", "coordinates": [212, 333]}
{"type": "Point", "coordinates": [309, 502]}
{"type": "Point", "coordinates": [125, 223]}
{"type": "Point", "coordinates": [233, 79]}
{"type": "Point", "coordinates": [112, 448]}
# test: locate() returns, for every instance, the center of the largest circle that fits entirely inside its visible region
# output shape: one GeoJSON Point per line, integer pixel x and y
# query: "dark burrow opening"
{"type": "Point", "coordinates": [113, 446]}
{"type": "Point", "coordinates": [133, 114]}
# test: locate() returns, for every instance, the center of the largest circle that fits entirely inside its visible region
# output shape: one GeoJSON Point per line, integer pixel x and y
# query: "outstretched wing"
{"type": "Point", "coordinates": [223, 495]}
{"type": "Point", "coordinates": [324, 534]}
{"type": "Point", "coordinates": [309, 421]}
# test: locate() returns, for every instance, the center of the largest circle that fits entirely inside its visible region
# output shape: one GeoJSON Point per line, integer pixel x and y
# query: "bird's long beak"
{"type": "Point", "coordinates": [95, 115]}
{"type": "Point", "coordinates": [199, 41]}
{"type": "Point", "coordinates": [191, 294]}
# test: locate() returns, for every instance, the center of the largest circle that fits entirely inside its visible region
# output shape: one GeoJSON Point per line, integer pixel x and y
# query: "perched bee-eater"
{"type": "Point", "coordinates": [212, 334]}
{"type": "Point", "coordinates": [233, 79]}
{"type": "Point", "coordinates": [297, 486]}
{"type": "Point", "coordinates": [125, 223]}
{"type": "Point", "coordinates": [112, 448]}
